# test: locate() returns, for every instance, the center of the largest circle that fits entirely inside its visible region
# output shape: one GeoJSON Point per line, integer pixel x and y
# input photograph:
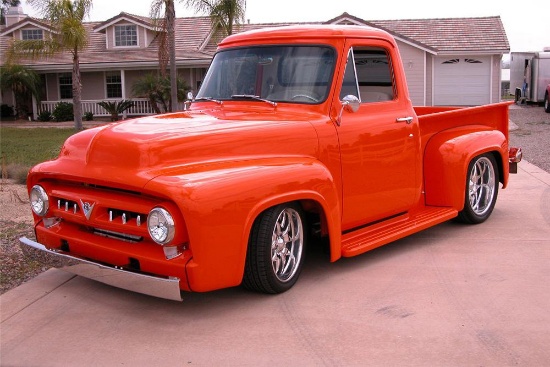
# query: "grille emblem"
{"type": "Point", "coordinates": [87, 208]}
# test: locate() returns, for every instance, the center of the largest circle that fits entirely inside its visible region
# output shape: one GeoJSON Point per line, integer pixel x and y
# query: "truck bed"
{"type": "Point", "coordinates": [434, 119]}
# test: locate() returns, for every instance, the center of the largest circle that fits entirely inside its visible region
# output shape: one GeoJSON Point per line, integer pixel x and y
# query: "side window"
{"type": "Point", "coordinates": [373, 70]}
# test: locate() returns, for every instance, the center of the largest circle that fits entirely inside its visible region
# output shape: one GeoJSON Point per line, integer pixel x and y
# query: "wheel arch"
{"type": "Point", "coordinates": [322, 202]}
{"type": "Point", "coordinates": [446, 161]}
{"type": "Point", "coordinates": [312, 204]}
{"type": "Point", "coordinates": [220, 207]}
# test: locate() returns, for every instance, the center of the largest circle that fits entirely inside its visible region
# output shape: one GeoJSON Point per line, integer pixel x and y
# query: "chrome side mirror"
{"type": "Point", "coordinates": [350, 103]}
{"type": "Point", "coordinates": [189, 100]}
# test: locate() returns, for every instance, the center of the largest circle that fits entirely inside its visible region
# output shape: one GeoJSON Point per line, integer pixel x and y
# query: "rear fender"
{"type": "Point", "coordinates": [446, 159]}
{"type": "Point", "coordinates": [220, 206]}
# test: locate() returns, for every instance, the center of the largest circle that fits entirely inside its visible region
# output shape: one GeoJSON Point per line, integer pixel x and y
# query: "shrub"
{"type": "Point", "coordinates": [45, 116]}
{"type": "Point", "coordinates": [88, 116]}
{"type": "Point", "coordinates": [116, 107]}
{"type": "Point", "coordinates": [6, 111]}
{"type": "Point", "coordinates": [17, 172]}
{"type": "Point", "coordinates": [63, 112]}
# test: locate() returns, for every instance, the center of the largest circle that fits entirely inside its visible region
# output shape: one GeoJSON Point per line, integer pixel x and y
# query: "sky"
{"type": "Point", "coordinates": [526, 22]}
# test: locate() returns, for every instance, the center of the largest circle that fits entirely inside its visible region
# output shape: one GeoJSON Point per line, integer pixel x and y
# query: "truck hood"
{"type": "Point", "coordinates": [143, 148]}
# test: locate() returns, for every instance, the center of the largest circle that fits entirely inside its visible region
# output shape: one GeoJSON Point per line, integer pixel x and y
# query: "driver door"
{"type": "Point", "coordinates": [379, 144]}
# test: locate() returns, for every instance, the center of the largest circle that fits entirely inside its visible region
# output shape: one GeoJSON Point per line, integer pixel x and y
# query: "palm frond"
{"type": "Point", "coordinates": [224, 14]}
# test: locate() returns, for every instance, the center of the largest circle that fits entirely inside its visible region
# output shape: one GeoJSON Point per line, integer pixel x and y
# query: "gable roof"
{"type": "Point", "coordinates": [136, 19]}
{"type": "Point", "coordinates": [97, 56]}
{"type": "Point", "coordinates": [23, 23]}
{"type": "Point", "coordinates": [451, 35]}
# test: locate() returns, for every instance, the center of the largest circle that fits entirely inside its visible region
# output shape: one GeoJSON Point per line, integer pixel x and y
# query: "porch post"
{"type": "Point", "coordinates": [123, 87]}
{"type": "Point", "coordinates": [34, 108]}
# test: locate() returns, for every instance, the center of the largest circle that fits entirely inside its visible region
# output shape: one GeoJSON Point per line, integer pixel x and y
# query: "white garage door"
{"type": "Point", "coordinates": [462, 81]}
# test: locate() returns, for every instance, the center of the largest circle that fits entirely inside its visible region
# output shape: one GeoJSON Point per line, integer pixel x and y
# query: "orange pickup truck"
{"type": "Point", "coordinates": [298, 136]}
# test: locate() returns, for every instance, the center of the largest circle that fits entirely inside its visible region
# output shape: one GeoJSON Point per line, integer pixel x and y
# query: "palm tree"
{"type": "Point", "coordinates": [168, 41]}
{"type": "Point", "coordinates": [224, 14]}
{"type": "Point", "coordinates": [23, 82]}
{"type": "Point", "coordinates": [68, 34]}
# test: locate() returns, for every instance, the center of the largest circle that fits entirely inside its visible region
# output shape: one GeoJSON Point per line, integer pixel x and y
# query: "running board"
{"type": "Point", "coordinates": [371, 237]}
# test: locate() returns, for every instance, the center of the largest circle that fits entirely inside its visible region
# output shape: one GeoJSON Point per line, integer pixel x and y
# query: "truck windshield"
{"type": "Point", "coordinates": [295, 74]}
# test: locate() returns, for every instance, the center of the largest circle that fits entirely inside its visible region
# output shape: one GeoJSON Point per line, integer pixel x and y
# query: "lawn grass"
{"type": "Point", "coordinates": [27, 147]}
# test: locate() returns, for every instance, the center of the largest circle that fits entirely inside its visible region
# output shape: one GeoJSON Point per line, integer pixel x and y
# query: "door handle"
{"type": "Point", "coordinates": [408, 120]}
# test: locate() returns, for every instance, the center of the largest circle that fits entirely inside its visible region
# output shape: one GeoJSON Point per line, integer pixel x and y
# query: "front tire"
{"type": "Point", "coordinates": [276, 250]}
{"type": "Point", "coordinates": [546, 103]}
{"type": "Point", "coordinates": [481, 190]}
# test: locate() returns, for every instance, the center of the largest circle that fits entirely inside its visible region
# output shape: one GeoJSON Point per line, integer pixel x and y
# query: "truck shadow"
{"type": "Point", "coordinates": [318, 276]}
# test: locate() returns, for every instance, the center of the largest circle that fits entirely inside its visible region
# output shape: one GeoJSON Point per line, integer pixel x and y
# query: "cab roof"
{"type": "Point", "coordinates": [305, 32]}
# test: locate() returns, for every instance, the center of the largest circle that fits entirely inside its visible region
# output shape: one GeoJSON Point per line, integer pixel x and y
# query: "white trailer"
{"type": "Point", "coordinates": [529, 75]}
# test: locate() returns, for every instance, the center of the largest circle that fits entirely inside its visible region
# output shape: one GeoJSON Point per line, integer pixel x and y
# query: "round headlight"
{"type": "Point", "coordinates": [39, 200]}
{"type": "Point", "coordinates": [161, 226]}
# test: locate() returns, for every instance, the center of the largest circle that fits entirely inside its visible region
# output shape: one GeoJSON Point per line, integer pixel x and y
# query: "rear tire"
{"type": "Point", "coordinates": [546, 103]}
{"type": "Point", "coordinates": [481, 190]}
{"type": "Point", "coordinates": [276, 250]}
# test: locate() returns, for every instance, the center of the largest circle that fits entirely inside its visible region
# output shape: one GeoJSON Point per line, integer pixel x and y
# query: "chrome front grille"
{"type": "Point", "coordinates": [68, 205]}
{"type": "Point", "coordinates": [126, 217]}
{"type": "Point", "coordinates": [112, 213]}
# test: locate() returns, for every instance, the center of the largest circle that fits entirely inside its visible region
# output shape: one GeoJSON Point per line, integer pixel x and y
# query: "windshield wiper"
{"type": "Point", "coordinates": [208, 99]}
{"type": "Point", "coordinates": [256, 98]}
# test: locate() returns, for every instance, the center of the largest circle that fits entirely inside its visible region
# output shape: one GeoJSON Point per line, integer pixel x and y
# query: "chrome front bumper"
{"type": "Point", "coordinates": [135, 282]}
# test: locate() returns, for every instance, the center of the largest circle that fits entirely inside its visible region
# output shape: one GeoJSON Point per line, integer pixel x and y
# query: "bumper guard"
{"type": "Point", "coordinates": [135, 282]}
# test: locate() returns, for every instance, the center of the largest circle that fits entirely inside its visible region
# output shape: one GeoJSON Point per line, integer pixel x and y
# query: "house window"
{"type": "Point", "coordinates": [126, 35]}
{"type": "Point", "coordinates": [32, 34]}
{"type": "Point", "coordinates": [65, 86]}
{"type": "Point", "coordinates": [113, 81]}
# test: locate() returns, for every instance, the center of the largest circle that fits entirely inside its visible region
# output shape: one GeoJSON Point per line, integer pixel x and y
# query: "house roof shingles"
{"type": "Point", "coordinates": [195, 43]}
{"type": "Point", "coordinates": [446, 35]}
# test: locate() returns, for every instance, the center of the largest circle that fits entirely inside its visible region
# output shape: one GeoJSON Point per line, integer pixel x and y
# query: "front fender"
{"type": "Point", "coordinates": [220, 205]}
{"type": "Point", "coordinates": [446, 159]}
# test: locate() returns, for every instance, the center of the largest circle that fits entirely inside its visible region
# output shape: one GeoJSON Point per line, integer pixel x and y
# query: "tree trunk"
{"type": "Point", "coordinates": [77, 92]}
{"type": "Point", "coordinates": [170, 18]}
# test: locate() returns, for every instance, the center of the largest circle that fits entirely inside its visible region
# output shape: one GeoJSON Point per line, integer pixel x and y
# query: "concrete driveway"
{"type": "Point", "coordinates": [452, 295]}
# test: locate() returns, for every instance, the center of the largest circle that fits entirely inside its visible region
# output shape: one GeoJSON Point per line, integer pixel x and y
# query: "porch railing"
{"type": "Point", "coordinates": [141, 107]}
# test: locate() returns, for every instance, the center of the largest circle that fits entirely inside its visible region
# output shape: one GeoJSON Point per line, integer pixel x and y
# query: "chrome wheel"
{"type": "Point", "coordinates": [482, 186]}
{"type": "Point", "coordinates": [481, 189]}
{"type": "Point", "coordinates": [287, 242]}
{"type": "Point", "coordinates": [276, 249]}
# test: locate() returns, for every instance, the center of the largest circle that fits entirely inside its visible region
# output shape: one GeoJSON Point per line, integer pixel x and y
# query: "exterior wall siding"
{"type": "Point", "coordinates": [496, 79]}
{"type": "Point", "coordinates": [413, 63]}
{"type": "Point", "coordinates": [429, 80]}
{"type": "Point", "coordinates": [95, 85]}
